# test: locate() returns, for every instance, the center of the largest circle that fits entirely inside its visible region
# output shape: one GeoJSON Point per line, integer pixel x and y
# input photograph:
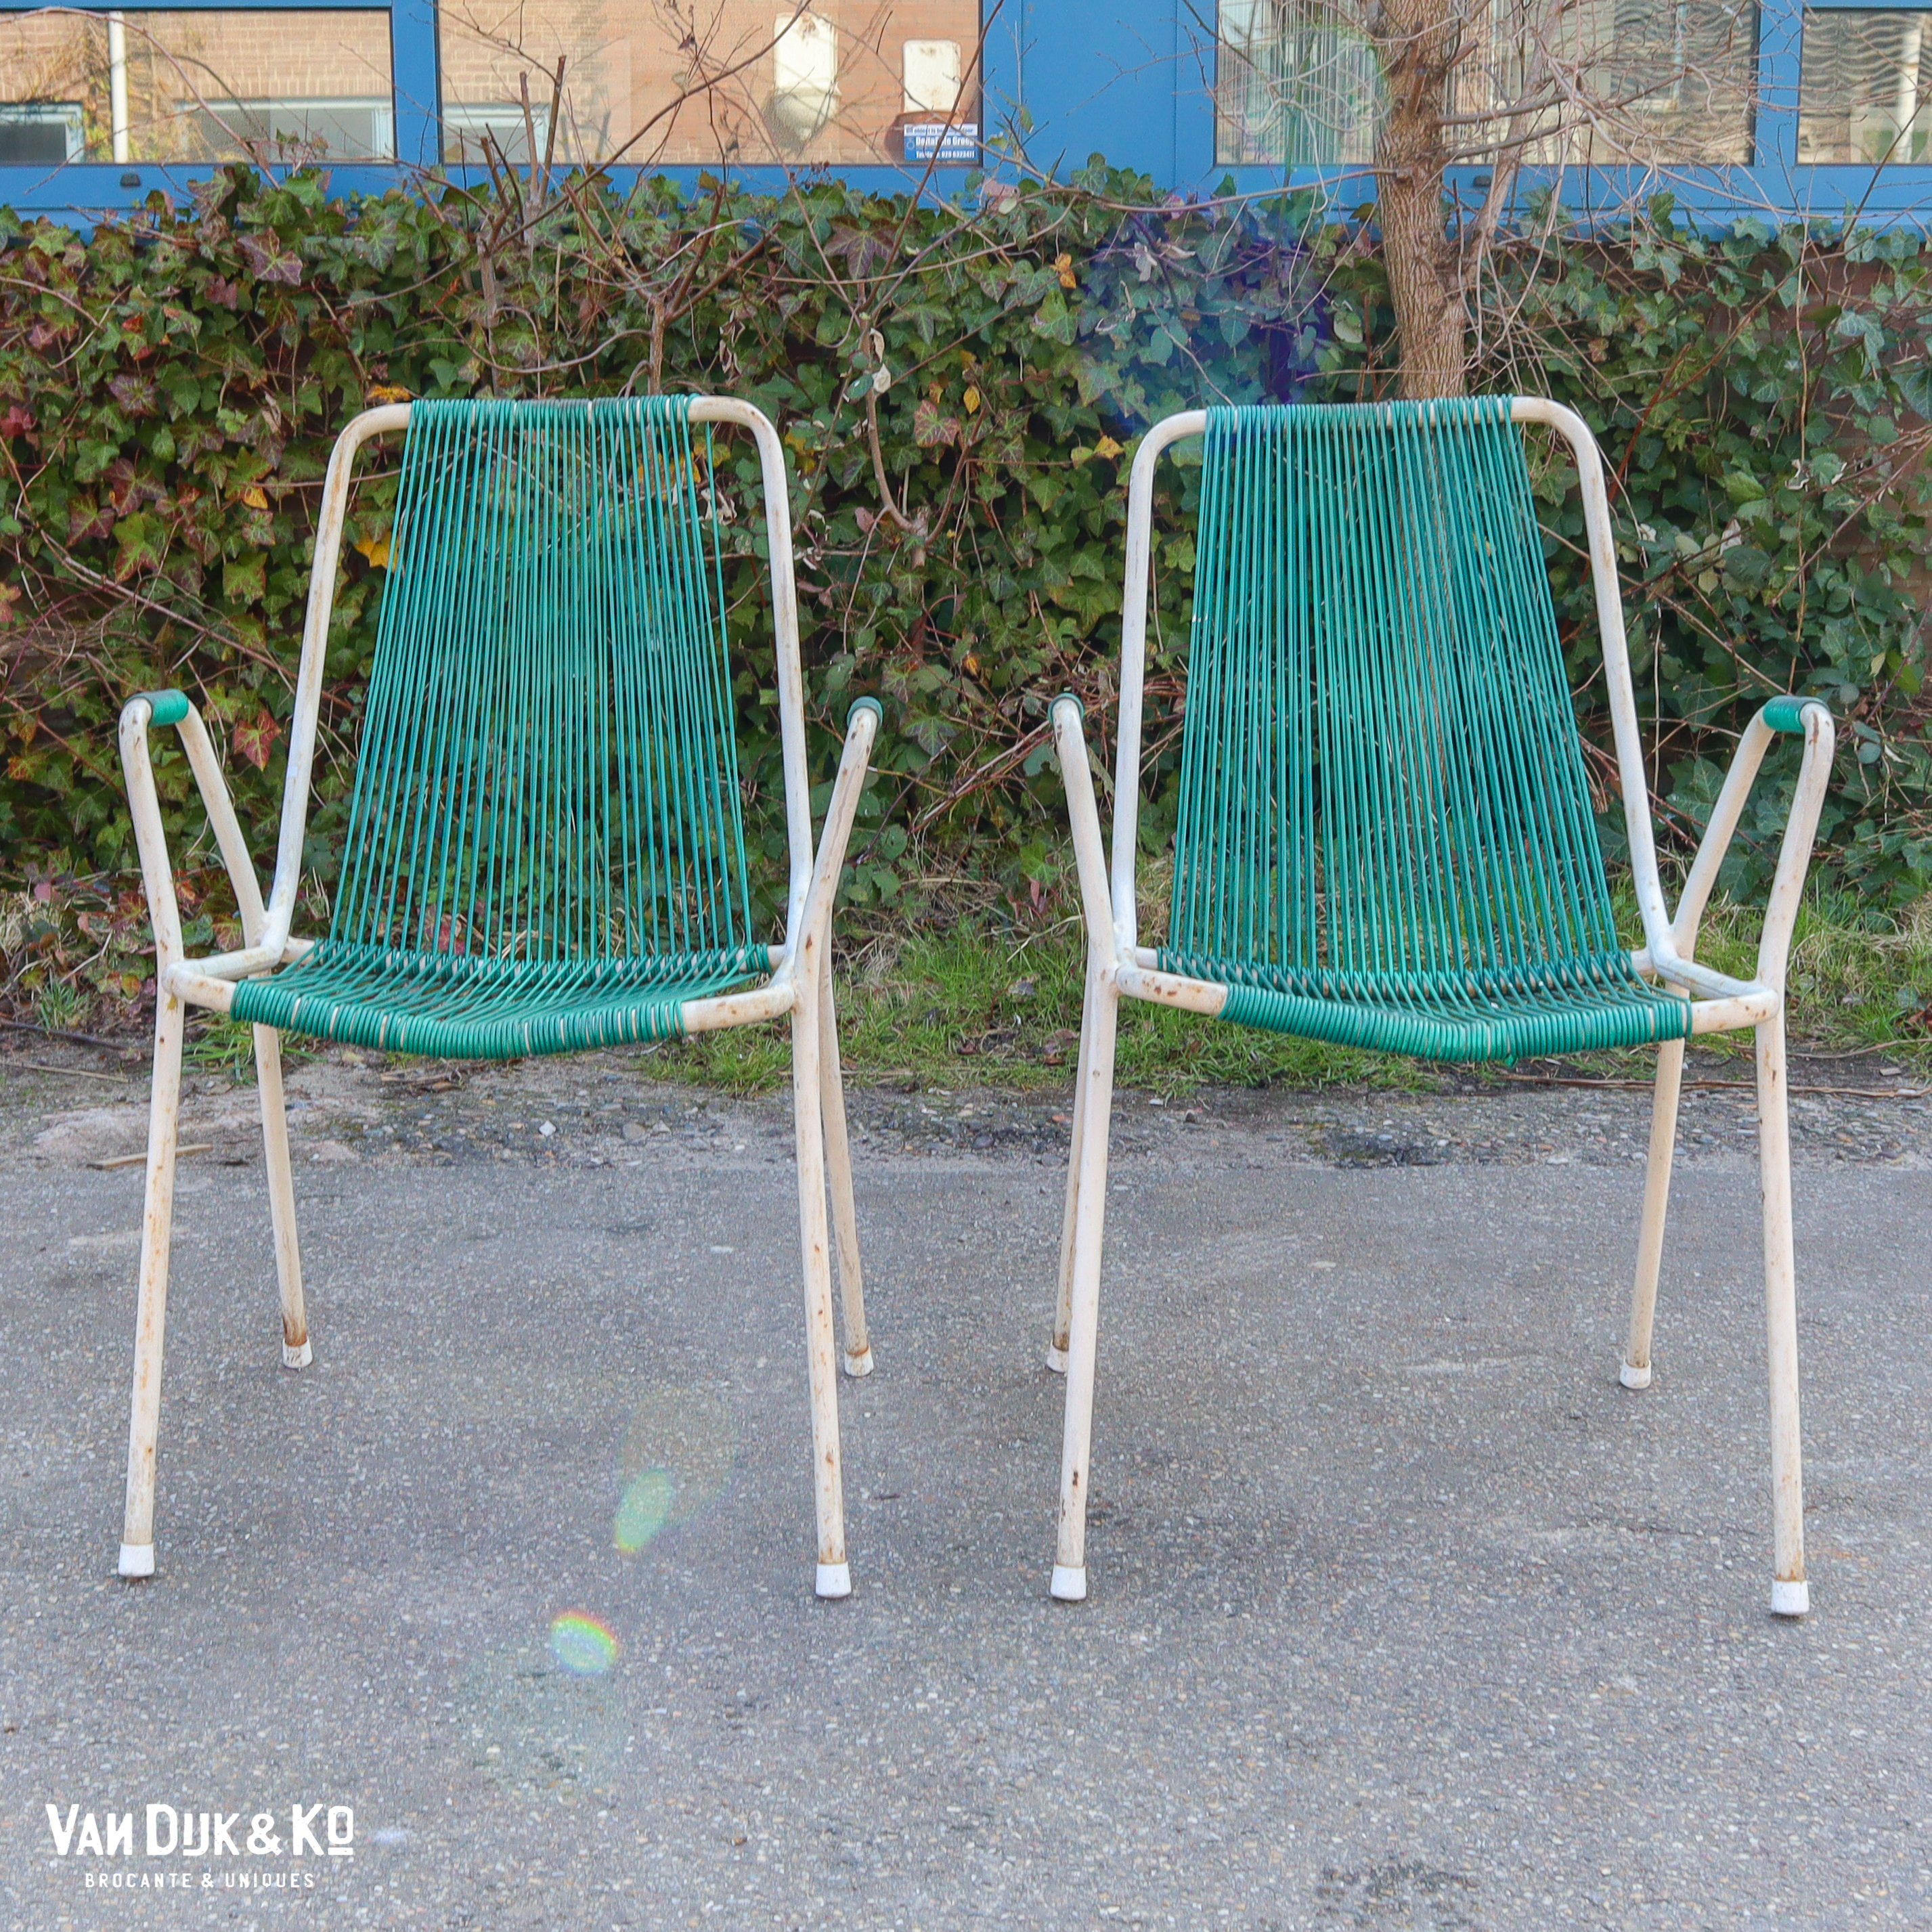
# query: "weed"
{"type": "Point", "coordinates": [57, 1006]}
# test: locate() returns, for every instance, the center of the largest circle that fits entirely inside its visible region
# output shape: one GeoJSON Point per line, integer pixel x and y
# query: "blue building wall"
{"type": "Point", "coordinates": [1129, 80]}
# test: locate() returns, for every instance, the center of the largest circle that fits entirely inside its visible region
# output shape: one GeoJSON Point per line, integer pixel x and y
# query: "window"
{"type": "Point", "coordinates": [476, 132]}
{"type": "Point", "coordinates": [1866, 93]}
{"type": "Point", "coordinates": [1670, 82]}
{"type": "Point", "coordinates": [752, 82]}
{"type": "Point", "coordinates": [344, 130]}
{"type": "Point", "coordinates": [1300, 83]}
{"type": "Point", "coordinates": [196, 87]}
{"type": "Point", "coordinates": [41, 134]}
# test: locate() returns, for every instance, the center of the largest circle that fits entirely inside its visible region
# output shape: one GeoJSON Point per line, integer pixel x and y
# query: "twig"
{"type": "Point", "coordinates": [887, 500]}
{"type": "Point", "coordinates": [530, 149]}
{"type": "Point", "coordinates": [995, 767]}
{"type": "Point", "coordinates": [135, 1159]}
{"type": "Point", "coordinates": [1741, 1086]}
{"type": "Point", "coordinates": [550, 133]}
{"type": "Point", "coordinates": [61, 1032]}
{"type": "Point", "coordinates": [76, 1073]}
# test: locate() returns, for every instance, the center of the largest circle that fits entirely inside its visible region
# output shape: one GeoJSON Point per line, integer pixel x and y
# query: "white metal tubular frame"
{"type": "Point", "coordinates": [1119, 967]}
{"type": "Point", "coordinates": [800, 985]}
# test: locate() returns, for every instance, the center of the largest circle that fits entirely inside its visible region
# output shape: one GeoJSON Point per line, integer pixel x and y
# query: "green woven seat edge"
{"type": "Point", "coordinates": [351, 1024]}
{"type": "Point", "coordinates": [1554, 1030]}
{"type": "Point", "coordinates": [1581, 979]}
{"type": "Point", "coordinates": [307, 999]}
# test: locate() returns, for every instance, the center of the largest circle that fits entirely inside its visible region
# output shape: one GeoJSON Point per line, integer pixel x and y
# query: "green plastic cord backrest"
{"type": "Point", "coordinates": [1382, 783]}
{"type": "Point", "coordinates": [548, 769]}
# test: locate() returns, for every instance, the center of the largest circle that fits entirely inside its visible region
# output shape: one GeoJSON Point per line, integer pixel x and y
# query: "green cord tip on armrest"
{"type": "Point", "coordinates": [1787, 713]}
{"type": "Point", "coordinates": [1067, 697]}
{"type": "Point", "coordinates": [870, 704]}
{"type": "Point", "coordinates": [167, 707]}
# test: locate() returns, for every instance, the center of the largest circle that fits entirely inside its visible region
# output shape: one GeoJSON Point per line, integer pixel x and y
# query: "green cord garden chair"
{"type": "Point", "coordinates": [545, 849]}
{"type": "Point", "coordinates": [1385, 836]}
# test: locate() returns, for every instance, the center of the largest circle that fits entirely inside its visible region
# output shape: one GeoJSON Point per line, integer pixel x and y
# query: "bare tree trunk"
{"type": "Point", "coordinates": [1419, 41]}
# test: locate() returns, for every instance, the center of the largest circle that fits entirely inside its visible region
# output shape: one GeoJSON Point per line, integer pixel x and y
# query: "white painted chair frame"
{"type": "Point", "coordinates": [800, 985]}
{"type": "Point", "coordinates": [1119, 967]}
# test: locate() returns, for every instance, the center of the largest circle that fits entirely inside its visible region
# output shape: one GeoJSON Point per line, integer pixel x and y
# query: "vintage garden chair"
{"type": "Point", "coordinates": [545, 850]}
{"type": "Point", "coordinates": [1385, 837]}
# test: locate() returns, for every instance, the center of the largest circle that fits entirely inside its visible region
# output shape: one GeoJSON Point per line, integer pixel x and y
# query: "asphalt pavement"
{"type": "Point", "coordinates": [1403, 1613]}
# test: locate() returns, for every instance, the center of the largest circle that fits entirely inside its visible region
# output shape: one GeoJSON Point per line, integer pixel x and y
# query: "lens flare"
{"type": "Point", "coordinates": [676, 1458]}
{"type": "Point", "coordinates": [584, 1646]}
{"type": "Point", "coordinates": [642, 1513]}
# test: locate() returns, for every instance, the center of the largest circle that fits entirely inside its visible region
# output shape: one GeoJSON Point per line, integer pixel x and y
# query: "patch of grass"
{"type": "Point", "coordinates": [972, 998]}
{"type": "Point", "coordinates": [968, 1005]}
{"type": "Point", "coordinates": [57, 1006]}
{"type": "Point", "coordinates": [976, 1003]}
{"type": "Point", "coordinates": [217, 1044]}
{"type": "Point", "coordinates": [1854, 980]}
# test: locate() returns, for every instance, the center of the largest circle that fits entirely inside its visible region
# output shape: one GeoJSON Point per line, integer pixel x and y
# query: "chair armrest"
{"type": "Point", "coordinates": [144, 710]}
{"type": "Point", "coordinates": [1084, 815]}
{"type": "Point", "coordinates": [151, 837]}
{"type": "Point", "coordinates": [1814, 721]}
{"type": "Point", "coordinates": [1808, 718]}
{"type": "Point", "coordinates": [801, 959]}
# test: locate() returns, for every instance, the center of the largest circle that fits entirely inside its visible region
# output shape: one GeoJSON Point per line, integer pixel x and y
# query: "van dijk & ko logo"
{"type": "Point", "coordinates": [103, 1844]}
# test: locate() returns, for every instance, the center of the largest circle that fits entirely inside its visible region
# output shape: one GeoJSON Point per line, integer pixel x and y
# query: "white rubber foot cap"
{"type": "Point", "coordinates": [1070, 1586]}
{"type": "Point", "coordinates": [137, 1559]}
{"type": "Point", "coordinates": [1790, 1600]}
{"type": "Point", "coordinates": [297, 1358]}
{"type": "Point", "coordinates": [834, 1580]}
{"type": "Point", "coordinates": [860, 1364]}
{"type": "Point", "coordinates": [1632, 1377]}
{"type": "Point", "coordinates": [1056, 1359]}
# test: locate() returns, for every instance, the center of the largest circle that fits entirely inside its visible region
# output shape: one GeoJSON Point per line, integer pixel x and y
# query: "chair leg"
{"type": "Point", "coordinates": [137, 1530]}
{"type": "Point", "coordinates": [1063, 1312]}
{"type": "Point", "coordinates": [296, 1353]}
{"type": "Point", "coordinates": [1790, 1593]}
{"type": "Point", "coordinates": [1635, 1372]}
{"type": "Point", "coordinates": [839, 1163]}
{"type": "Point", "coordinates": [1069, 1568]}
{"type": "Point", "coordinates": [835, 1579]}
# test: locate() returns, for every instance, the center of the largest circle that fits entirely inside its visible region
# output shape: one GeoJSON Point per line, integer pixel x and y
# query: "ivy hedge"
{"type": "Point", "coordinates": [959, 390]}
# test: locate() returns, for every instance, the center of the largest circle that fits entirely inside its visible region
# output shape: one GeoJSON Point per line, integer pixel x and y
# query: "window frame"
{"type": "Point", "coordinates": [74, 192]}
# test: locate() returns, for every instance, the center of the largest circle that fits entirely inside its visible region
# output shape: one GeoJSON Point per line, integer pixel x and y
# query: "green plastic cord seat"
{"type": "Point", "coordinates": [545, 848]}
{"type": "Point", "coordinates": [1384, 838]}
{"type": "Point", "coordinates": [430, 1002]}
